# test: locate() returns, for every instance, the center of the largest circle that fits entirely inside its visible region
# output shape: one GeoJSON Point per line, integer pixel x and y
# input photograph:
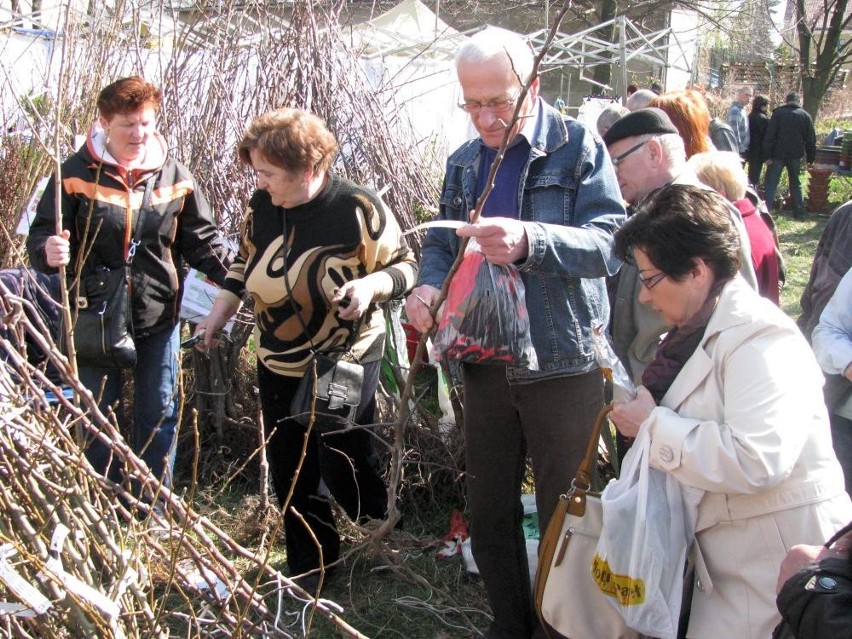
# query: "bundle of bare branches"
{"type": "Point", "coordinates": [105, 558]}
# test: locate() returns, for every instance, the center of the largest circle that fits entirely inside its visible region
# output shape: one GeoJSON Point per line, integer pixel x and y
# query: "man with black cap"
{"type": "Point", "coordinates": [648, 154]}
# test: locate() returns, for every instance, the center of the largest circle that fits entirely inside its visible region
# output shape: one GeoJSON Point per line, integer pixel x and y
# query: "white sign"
{"type": "Point", "coordinates": [29, 213]}
{"type": "Point", "coordinates": [199, 293]}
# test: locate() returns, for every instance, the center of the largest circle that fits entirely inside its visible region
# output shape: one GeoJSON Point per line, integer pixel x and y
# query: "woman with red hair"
{"type": "Point", "coordinates": [689, 113]}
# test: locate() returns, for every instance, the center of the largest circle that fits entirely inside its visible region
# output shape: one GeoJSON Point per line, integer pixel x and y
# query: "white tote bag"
{"type": "Point", "coordinates": [641, 553]}
{"type": "Point", "coordinates": [566, 598]}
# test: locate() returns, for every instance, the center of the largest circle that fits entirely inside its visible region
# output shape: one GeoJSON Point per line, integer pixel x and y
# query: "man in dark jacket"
{"type": "Point", "coordinates": [722, 136]}
{"type": "Point", "coordinates": [815, 590]}
{"type": "Point", "coordinates": [789, 137]}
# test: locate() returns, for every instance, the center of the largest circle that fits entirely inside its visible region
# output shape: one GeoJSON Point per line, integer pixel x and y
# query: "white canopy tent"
{"type": "Point", "coordinates": [409, 51]}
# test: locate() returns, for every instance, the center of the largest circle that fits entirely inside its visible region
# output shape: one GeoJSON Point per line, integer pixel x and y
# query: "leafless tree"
{"type": "Point", "coordinates": [822, 49]}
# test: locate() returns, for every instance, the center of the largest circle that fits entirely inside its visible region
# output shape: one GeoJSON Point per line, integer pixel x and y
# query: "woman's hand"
{"type": "Point", "coordinates": [629, 416]}
{"type": "Point", "coordinates": [57, 249]}
{"type": "Point", "coordinates": [221, 312]}
{"type": "Point", "coordinates": [353, 298]}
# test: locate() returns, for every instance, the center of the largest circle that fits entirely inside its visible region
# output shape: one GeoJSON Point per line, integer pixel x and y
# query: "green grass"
{"type": "Point", "coordinates": [798, 242]}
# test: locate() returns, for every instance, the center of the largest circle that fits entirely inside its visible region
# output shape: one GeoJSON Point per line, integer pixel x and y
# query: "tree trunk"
{"type": "Point", "coordinates": [820, 58]}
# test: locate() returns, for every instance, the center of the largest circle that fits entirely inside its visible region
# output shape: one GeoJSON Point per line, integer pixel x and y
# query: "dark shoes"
{"type": "Point", "coordinates": [310, 582]}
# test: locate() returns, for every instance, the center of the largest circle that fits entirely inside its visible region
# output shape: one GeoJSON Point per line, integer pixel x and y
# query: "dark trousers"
{"type": "Point", "coordinates": [773, 174]}
{"type": "Point", "coordinates": [755, 167]}
{"type": "Point", "coordinates": [345, 461]}
{"type": "Point", "coordinates": [841, 437]}
{"type": "Point", "coordinates": [551, 419]}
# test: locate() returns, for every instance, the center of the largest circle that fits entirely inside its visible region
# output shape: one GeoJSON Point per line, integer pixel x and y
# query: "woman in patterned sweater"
{"type": "Point", "coordinates": [336, 248]}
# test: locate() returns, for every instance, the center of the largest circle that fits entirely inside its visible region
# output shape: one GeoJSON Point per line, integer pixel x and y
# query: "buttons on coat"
{"type": "Point", "coordinates": [827, 583]}
{"type": "Point", "coordinates": [666, 453]}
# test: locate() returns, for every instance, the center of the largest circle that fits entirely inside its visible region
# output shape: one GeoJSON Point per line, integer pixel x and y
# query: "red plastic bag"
{"type": "Point", "coordinates": [485, 317]}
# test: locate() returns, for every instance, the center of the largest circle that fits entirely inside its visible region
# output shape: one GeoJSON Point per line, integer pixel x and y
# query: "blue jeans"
{"type": "Point", "coordinates": [773, 174]}
{"type": "Point", "coordinates": [156, 404]}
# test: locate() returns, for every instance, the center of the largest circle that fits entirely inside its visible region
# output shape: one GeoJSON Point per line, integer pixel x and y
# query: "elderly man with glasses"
{"type": "Point", "coordinates": [648, 154]}
{"type": "Point", "coordinates": [552, 213]}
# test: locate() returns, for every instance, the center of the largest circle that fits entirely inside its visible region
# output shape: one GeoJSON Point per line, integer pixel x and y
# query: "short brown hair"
{"type": "Point", "coordinates": [291, 139]}
{"type": "Point", "coordinates": [128, 95]}
{"type": "Point", "coordinates": [677, 224]}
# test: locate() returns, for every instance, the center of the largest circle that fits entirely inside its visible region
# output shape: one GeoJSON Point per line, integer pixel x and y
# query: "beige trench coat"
{"type": "Point", "coordinates": [745, 422]}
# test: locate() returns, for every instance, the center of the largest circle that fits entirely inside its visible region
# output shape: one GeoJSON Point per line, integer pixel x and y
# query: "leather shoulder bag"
{"type": "Point", "coordinates": [567, 599]}
{"type": "Point", "coordinates": [103, 329]}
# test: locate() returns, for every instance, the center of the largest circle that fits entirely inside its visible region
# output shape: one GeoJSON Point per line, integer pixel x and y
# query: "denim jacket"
{"type": "Point", "coordinates": [570, 205]}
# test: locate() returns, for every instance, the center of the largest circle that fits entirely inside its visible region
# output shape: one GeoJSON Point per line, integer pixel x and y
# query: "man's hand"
{"type": "Point", "coordinates": [418, 305]}
{"type": "Point", "coordinates": [503, 240]}
{"type": "Point", "coordinates": [799, 557]}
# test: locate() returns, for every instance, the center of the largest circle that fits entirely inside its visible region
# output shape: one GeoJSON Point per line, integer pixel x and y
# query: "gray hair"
{"type": "Point", "coordinates": [608, 117]}
{"type": "Point", "coordinates": [674, 149]}
{"type": "Point", "coordinates": [794, 98]}
{"type": "Point", "coordinates": [640, 99]}
{"type": "Point", "coordinates": [492, 42]}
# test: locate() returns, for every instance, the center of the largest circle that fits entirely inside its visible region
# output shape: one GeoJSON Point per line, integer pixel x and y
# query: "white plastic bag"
{"type": "Point", "coordinates": [641, 554]}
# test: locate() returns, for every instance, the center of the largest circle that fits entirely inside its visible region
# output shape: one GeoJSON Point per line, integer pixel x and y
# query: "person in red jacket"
{"type": "Point", "coordinates": [723, 171]}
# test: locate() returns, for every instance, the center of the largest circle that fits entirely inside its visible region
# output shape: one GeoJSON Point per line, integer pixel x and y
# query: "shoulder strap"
{"type": "Point", "coordinates": [355, 328]}
{"type": "Point", "coordinates": [143, 210]}
{"type": "Point", "coordinates": [843, 531]}
{"type": "Point", "coordinates": [582, 481]}
{"type": "Point", "coordinates": [287, 282]}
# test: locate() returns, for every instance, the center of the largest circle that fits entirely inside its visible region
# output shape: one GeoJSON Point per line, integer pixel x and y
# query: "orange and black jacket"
{"type": "Point", "coordinates": [100, 206]}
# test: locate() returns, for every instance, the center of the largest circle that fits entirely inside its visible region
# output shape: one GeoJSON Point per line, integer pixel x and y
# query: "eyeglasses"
{"type": "Point", "coordinates": [651, 282]}
{"type": "Point", "coordinates": [618, 159]}
{"type": "Point", "coordinates": [498, 105]}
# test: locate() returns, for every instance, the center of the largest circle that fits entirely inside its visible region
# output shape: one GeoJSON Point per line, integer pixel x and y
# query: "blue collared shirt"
{"type": "Point", "coordinates": [503, 199]}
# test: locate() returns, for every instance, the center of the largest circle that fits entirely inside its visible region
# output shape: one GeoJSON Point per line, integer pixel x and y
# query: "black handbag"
{"type": "Point", "coordinates": [103, 330]}
{"type": "Point", "coordinates": [329, 393]}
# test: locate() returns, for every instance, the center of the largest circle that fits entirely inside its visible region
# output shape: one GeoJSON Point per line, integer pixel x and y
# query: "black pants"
{"type": "Point", "coordinates": [346, 462]}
